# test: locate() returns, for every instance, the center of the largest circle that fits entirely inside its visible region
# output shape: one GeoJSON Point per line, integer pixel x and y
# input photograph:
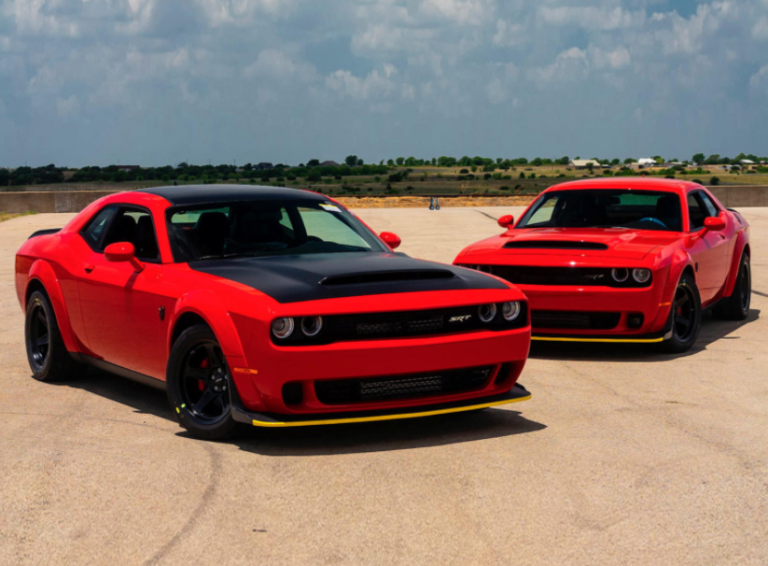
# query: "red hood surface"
{"type": "Point", "coordinates": [616, 242]}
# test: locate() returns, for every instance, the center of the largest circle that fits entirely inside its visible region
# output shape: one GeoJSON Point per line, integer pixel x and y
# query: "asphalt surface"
{"type": "Point", "coordinates": [622, 456]}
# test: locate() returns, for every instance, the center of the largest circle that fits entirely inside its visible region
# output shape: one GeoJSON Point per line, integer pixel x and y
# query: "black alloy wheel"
{"type": "Point", "coordinates": [48, 357]}
{"type": "Point", "coordinates": [685, 316]}
{"type": "Point", "coordinates": [204, 383]}
{"type": "Point", "coordinates": [199, 383]}
{"type": "Point", "coordinates": [736, 307]}
{"type": "Point", "coordinates": [38, 339]}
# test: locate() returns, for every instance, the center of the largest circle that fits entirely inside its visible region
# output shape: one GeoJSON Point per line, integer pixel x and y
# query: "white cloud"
{"type": "Point", "coordinates": [375, 85]}
{"type": "Point", "coordinates": [615, 59]}
{"type": "Point", "coordinates": [463, 12]}
{"type": "Point", "coordinates": [569, 66]}
{"type": "Point", "coordinates": [592, 17]}
{"type": "Point", "coordinates": [508, 34]}
{"type": "Point", "coordinates": [760, 31]}
{"type": "Point", "coordinates": [67, 107]}
{"type": "Point", "coordinates": [276, 64]}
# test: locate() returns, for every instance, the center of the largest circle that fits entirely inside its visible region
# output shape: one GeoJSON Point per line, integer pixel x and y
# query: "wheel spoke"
{"type": "Point", "coordinates": [197, 373]}
{"type": "Point", "coordinates": [43, 340]}
{"type": "Point", "coordinates": [684, 322]}
{"type": "Point", "coordinates": [42, 318]}
{"type": "Point", "coordinates": [213, 356]}
{"type": "Point", "coordinates": [205, 400]}
{"type": "Point", "coordinates": [681, 301]}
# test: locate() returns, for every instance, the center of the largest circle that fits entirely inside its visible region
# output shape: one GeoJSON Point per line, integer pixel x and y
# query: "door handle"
{"type": "Point", "coordinates": [89, 268]}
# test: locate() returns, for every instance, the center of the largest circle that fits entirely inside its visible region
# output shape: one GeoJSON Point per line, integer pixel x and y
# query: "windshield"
{"type": "Point", "coordinates": [266, 228]}
{"type": "Point", "coordinates": [605, 208]}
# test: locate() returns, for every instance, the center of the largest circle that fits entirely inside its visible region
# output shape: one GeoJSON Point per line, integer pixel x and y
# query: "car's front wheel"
{"type": "Point", "coordinates": [48, 358]}
{"type": "Point", "coordinates": [198, 382]}
{"type": "Point", "coordinates": [685, 315]}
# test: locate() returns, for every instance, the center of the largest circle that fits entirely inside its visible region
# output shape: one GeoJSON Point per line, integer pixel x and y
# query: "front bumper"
{"type": "Point", "coordinates": [270, 420]}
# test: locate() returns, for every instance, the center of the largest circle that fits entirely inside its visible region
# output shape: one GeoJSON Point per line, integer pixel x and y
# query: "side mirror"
{"type": "Point", "coordinates": [714, 223]}
{"type": "Point", "coordinates": [392, 240]}
{"type": "Point", "coordinates": [506, 221]}
{"type": "Point", "coordinates": [123, 251]}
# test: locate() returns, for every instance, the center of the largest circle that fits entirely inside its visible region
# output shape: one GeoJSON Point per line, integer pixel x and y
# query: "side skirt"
{"type": "Point", "coordinates": [117, 370]}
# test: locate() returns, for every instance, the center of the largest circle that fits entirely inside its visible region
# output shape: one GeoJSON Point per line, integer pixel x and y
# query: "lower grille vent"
{"type": "Point", "coordinates": [350, 391]}
{"type": "Point", "coordinates": [575, 320]}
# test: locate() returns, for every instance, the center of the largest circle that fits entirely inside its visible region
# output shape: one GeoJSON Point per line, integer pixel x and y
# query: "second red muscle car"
{"type": "Point", "coordinates": [623, 260]}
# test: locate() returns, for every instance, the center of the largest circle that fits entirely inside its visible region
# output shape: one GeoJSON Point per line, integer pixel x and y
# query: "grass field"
{"type": "Point", "coordinates": [7, 216]}
{"type": "Point", "coordinates": [429, 181]}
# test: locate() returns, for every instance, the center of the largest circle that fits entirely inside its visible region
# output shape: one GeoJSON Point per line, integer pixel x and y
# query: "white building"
{"type": "Point", "coordinates": [646, 162]}
{"type": "Point", "coordinates": [584, 163]}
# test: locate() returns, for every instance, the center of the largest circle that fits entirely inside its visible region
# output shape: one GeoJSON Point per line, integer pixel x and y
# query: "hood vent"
{"type": "Point", "coordinates": [553, 245]}
{"type": "Point", "coordinates": [387, 277]}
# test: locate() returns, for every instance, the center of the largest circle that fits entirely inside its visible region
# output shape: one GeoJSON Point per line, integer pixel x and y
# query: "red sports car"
{"type": "Point", "coordinates": [623, 260]}
{"type": "Point", "coordinates": [268, 306]}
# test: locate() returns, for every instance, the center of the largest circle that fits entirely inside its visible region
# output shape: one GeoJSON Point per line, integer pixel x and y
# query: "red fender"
{"type": "Point", "coordinates": [733, 272]}
{"type": "Point", "coordinates": [42, 271]}
{"type": "Point", "coordinates": [208, 306]}
{"type": "Point", "coordinates": [678, 264]}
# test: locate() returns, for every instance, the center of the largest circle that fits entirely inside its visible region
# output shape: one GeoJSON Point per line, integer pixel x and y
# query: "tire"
{"type": "Point", "coordinates": [736, 307]}
{"type": "Point", "coordinates": [198, 382]}
{"type": "Point", "coordinates": [685, 316]}
{"type": "Point", "coordinates": [48, 358]}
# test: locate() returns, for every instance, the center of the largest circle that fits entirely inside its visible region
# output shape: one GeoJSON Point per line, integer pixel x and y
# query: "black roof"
{"type": "Point", "coordinates": [186, 195]}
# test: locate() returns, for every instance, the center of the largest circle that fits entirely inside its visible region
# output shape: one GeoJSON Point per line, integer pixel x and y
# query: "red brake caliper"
{"type": "Point", "coordinates": [200, 383]}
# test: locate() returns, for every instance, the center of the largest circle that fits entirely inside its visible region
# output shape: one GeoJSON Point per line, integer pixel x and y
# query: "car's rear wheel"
{"type": "Point", "coordinates": [198, 382]}
{"type": "Point", "coordinates": [47, 355]}
{"type": "Point", "coordinates": [685, 315]}
{"type": "Point", "coordinates": [736, 307]}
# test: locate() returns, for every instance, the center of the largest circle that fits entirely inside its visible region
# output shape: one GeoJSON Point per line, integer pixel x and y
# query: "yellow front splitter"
{"type": "Point", "coordinates": [394, 416]}
{"type": "Point", "coordinates": [602, 340]}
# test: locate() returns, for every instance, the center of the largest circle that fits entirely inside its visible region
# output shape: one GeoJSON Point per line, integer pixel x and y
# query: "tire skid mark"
{"type": "Point", "coordinates": [206, 500]}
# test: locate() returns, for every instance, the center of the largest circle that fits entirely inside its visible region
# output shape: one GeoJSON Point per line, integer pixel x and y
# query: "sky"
{"type": "Point", "coordinates": [156, 82]}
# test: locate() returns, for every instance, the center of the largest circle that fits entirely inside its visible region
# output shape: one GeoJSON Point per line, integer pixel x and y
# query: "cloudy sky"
{"type": "Point", "coordinates": [162, 81]}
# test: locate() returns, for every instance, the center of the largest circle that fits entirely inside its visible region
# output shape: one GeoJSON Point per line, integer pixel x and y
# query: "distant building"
{"type": "Point", "coordinates": [128, 167]}
{"type": "Point", "coordinates": [646, 162]}
{"type": "Point", "coordinates": [329, 164]}
{"type": "Point", "coordinates": [747, 162]}
{"type": "Point", "coordinates": [264, 166]}
{"type": "Point", "coordinates": [584, 163]}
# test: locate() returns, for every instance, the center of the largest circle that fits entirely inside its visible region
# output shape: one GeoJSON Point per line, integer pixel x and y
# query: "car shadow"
{"type": "Point", "coordinates": [323, 440]}
{"type": "Point", "coordinates": [712, 330]}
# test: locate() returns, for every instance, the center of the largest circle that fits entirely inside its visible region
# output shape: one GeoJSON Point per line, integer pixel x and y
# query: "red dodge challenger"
{"type": "Point", "coordinates": [623, 260]}
{"type": "Point", "coordinates": [267, 306]}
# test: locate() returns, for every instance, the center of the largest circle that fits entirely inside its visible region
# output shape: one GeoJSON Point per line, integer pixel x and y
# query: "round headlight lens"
{"type": "Point", "coordinates": [620, 275]}
{"type": "Point", "coordinates": [282, 328]}
{"type": "Point", "coordinates": [641, 275]}
{"type": "Point", "coordinates": [311, 325]}
{"type": "Point", "coordinates": [510, 311]}
{"type": "Point", "coordinates": [487, 312]}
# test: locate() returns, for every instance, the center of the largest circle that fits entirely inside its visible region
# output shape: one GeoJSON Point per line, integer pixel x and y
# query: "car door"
{"type": "Point", "coordinates": [708, 248]}
{"type": "Point", "coordinates": [120, 307]}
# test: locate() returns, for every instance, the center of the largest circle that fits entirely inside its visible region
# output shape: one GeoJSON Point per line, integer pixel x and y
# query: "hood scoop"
{"type": "Point", "coordinates": [553, 245]}
{"type": "Point", "coordinates": [386, 277]}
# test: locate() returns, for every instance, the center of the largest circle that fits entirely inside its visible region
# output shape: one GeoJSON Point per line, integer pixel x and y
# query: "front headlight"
{"type": "Point", "coordinates": [641, 275]}
{"type": "Point", "coordinates": [311, 325]}
{"type": "Point", "coordinates": [487, 312]}
{"type": "Point", "coordinates": [282, 328]}
{"type": "Point", "coordinates": [510, 311]}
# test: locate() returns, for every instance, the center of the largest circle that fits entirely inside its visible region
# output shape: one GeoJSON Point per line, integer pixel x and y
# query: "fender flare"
{"type": "Point", "coordinates": [208, 306]}
{"type": "Point", "coordinates": [42, 271]}
{"type": "Point", "coordinates": [741, 244]}
{"type": "Point", "coordinates": [679, 262]}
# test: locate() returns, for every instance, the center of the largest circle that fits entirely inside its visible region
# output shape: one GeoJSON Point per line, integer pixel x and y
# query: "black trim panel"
{"type": "Point", "coordinates": [188, 195]}
{"type": "Point", "coordinates": [297, 278]}
{"type": "Point", "coordinates": [121, 371]}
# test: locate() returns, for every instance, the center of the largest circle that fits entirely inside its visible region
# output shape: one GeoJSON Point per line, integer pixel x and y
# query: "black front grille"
{"type": "Point", "coordinates": [580, 276]}
{"type": "Point", "coordinates": [575, 320]}
{"type": "Point", "coordinates": [404, 324]}
{"type": "Point", "coordinates": [350, 391]}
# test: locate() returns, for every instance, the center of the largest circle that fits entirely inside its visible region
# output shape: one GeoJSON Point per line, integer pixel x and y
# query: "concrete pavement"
{"type": "Point", "coordinates": [622, 456]}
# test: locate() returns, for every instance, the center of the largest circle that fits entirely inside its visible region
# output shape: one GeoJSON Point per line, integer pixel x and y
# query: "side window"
{"type": "Point", "coordinates": [696, 212]}
{"type": "Point", "coordinates": [94, 231]}
{"type": "Point", "coordinates": [136, 227]}
{"type": "Point", "coordinates": [708, 205]}
{"type": "Point", "coordinates": [544, 213]}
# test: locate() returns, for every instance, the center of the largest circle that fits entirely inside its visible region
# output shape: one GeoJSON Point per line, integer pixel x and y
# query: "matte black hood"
{"type": "Point", "coordinates": [311, 277]}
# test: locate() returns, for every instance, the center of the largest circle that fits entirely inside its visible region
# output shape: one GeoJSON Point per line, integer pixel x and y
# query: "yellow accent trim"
{"type": "Point", "coordinates": [389, 417]}
{"type": "Point", "coordinates": [246, 370]}
{"type": "Point", "coordinates": [177, 410]}
{"type": "Point", "coordinates": [613, 340]}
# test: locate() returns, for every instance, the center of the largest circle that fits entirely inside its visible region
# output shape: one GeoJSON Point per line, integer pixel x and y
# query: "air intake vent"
{"type": "Point", "coordinates": [554, 245]}
{"type": "Point", "coordinates": [387, 277]}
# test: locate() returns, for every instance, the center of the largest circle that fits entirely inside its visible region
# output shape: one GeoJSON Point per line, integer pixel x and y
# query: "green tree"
{"type": "Point", "coordinates": [698, 158]}
{"type": "Point", "coordinates": [351, 160]}
{"type": "Point", "coordinates": [400, 160]}
{"type": "Point", "coordinates": [313, 163]}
